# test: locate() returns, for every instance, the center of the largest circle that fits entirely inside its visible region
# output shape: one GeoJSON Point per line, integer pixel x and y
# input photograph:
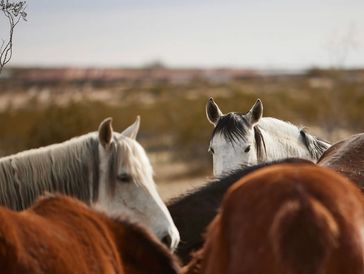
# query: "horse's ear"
{"type": "Point", "coordinates": [132, 131]}
{"type": "Point", "coordinates": [213, 112]}
{"type": "Point", "coordinates": [255, 113]}
{"type": "Point", "coordinates": [105, 132]}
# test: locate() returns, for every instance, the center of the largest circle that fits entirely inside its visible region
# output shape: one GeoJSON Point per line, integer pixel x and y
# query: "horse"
{"type": "Point", "coordinates": [193, 211]}
{"type": "Point", "coordinates": [105, 169]}
{"type": "Point", "coordinates": [347, 158]}
{"type": "Point", "coordinates": [60, 235]}
{"type": "Point", "coordinates": [286, 218]}
{"type": "Point", "coordinates": [248, 139]}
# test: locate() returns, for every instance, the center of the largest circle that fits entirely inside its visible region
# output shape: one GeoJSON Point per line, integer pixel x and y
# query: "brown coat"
{"type": "Point", "coordinates": [347, 158]}
{"type": "Point", "coordinates": [62, 235]}
{"type": "Point", "coordinates": [286, 219]}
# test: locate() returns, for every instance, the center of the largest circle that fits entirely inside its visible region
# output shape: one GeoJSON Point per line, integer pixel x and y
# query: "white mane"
{"type": "Point", "coordinates": [69, 168]}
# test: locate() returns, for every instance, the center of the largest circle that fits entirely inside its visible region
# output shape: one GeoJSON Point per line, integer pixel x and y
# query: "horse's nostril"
{"type": "Point", "coordinates": [167, 240]}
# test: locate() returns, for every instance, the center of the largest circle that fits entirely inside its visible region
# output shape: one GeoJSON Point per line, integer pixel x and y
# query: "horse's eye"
{"type": "Point", "coordinates": [125, 178]}
{"type": "Point", "coordinates": [247, 149]}
{"type": "Point", "coordinates": [211, 150]}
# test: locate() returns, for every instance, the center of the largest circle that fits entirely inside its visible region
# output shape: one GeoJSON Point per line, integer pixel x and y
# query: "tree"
{"type": "Point", "coordinates": [14, 12]}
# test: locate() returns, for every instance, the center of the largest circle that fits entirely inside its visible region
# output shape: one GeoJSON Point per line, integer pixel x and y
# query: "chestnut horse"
{"type": "Point", "coordinates": [286, 218]}
{"type": "Point", "coordinates": [60, 235]}
{"type": "Point", "coordinates": [193, 211]}
{"type": "Point", "coordinates": [347, 158]}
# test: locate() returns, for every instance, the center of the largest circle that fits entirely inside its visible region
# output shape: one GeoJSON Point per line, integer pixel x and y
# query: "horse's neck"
{"type": "Point", "coordinates": [189, 207]}
{"type": "Point", "coordinates": [282, 139]}
{"type": "Point", "coordinates": [66, 168]}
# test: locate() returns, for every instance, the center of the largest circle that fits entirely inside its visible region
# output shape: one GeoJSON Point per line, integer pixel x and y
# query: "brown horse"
{"type": "Point", "coordinates": [286, 219]}
{"type": "Point", "coordinates": [61, 235]}
{"type": "Point", "coordinates": [193, 211]}
{"type": "Point", "coordinates": [347, 158]}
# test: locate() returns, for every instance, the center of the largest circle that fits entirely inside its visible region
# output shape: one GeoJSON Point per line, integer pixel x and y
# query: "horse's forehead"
{"type": "Point", "coordinates": [232, 137]}
{"type": "Point", "coordinates": [232, 127]}
{"type": "Point", "coordinates": [133, 157]}
{"type": "Point", "coordinates": [223, 141]}
{"type": "Point", "coordinates": [218, 139]}
{"type": "Point", "coordinates": [129, 147]}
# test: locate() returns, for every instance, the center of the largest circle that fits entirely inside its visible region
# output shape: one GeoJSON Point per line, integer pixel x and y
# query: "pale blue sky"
{"type": "Point", "coordinates": [251, 33]}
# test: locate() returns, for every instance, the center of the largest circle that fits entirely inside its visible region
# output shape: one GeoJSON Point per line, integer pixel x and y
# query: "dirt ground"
{"type": "Point", "coordinates": [173, 178]}
{"type": "Point", "coordinates": [174, 188]}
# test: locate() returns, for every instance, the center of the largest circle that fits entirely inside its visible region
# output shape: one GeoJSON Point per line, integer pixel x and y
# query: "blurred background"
{"type": "Point", "coordinates": [76, 62]}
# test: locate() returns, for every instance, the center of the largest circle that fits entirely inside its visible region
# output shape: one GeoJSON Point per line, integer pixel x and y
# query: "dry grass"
{"type": "Point", "coordinates": [174, 128]}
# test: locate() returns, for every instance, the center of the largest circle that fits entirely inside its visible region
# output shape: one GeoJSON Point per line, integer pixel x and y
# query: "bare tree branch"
{"type": "Point", "coordinates": [14, 12]}
{"type": "Point", "coordinates": [2, 44]}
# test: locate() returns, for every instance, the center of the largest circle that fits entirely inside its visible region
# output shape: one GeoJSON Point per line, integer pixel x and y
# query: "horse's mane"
{"type": "Point", "coordinates": [233, 176]}
{"type": "Point", "coordinates": [315, 146]}
{"type": "Point", "coordinates": [70, 168]}
{"type": "Point", "coordinates": [233, 126]}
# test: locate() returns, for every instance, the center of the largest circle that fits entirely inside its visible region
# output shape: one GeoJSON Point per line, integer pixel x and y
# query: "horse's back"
{"type": "Point", "coordinates": [287, 219]}
{"type": "Point", "coordinates": [62, 235]}
{"type": "Point", "coordinates": [347, 158]}
{"type": "Point", "coordinates": [68, 242]}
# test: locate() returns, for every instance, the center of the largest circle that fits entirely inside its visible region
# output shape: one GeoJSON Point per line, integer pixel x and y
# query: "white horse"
{"type": "Point", "coordinates": [105, 169]}
{"type": "Point", "coordinates": [248, 139]}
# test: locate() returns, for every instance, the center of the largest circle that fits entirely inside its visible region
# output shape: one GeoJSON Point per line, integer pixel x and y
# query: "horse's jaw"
{"type": "Point", "coordinates": [137, 198]}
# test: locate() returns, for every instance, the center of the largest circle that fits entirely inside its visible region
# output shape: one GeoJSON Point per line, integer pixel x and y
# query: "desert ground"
{"type": "Point", "coordinates": [44, 106]}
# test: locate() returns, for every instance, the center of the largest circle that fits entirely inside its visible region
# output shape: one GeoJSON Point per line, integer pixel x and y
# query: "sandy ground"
{"type": "Point", "coordinates": [174, 188]}
{"type": "Point", "coordinates": [173, 177]}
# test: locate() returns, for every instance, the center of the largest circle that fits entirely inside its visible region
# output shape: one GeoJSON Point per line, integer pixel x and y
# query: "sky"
{"type": "Point", "coordinates": [285, 34]}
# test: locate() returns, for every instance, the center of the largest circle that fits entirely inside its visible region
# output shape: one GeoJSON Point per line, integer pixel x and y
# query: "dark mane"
{"type": "Point", "coordinates": [315, 146]}
{"type": "Point", "coordinates": [260, 144]}
{"type": "Point", "coordinates": [233, 126]}
{"type": "Point", "coordinates": [192, 212]}
{"type": "Point", "coordinates": [233, 176]}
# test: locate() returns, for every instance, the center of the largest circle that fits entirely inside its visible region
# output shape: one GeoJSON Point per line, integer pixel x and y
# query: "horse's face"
{"type": "Point", "coordinates": [233, 142]}
{"type": "Point", "coordinates": [229, 155]}
{"type": "Point", "coordinates": [126, 182]}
